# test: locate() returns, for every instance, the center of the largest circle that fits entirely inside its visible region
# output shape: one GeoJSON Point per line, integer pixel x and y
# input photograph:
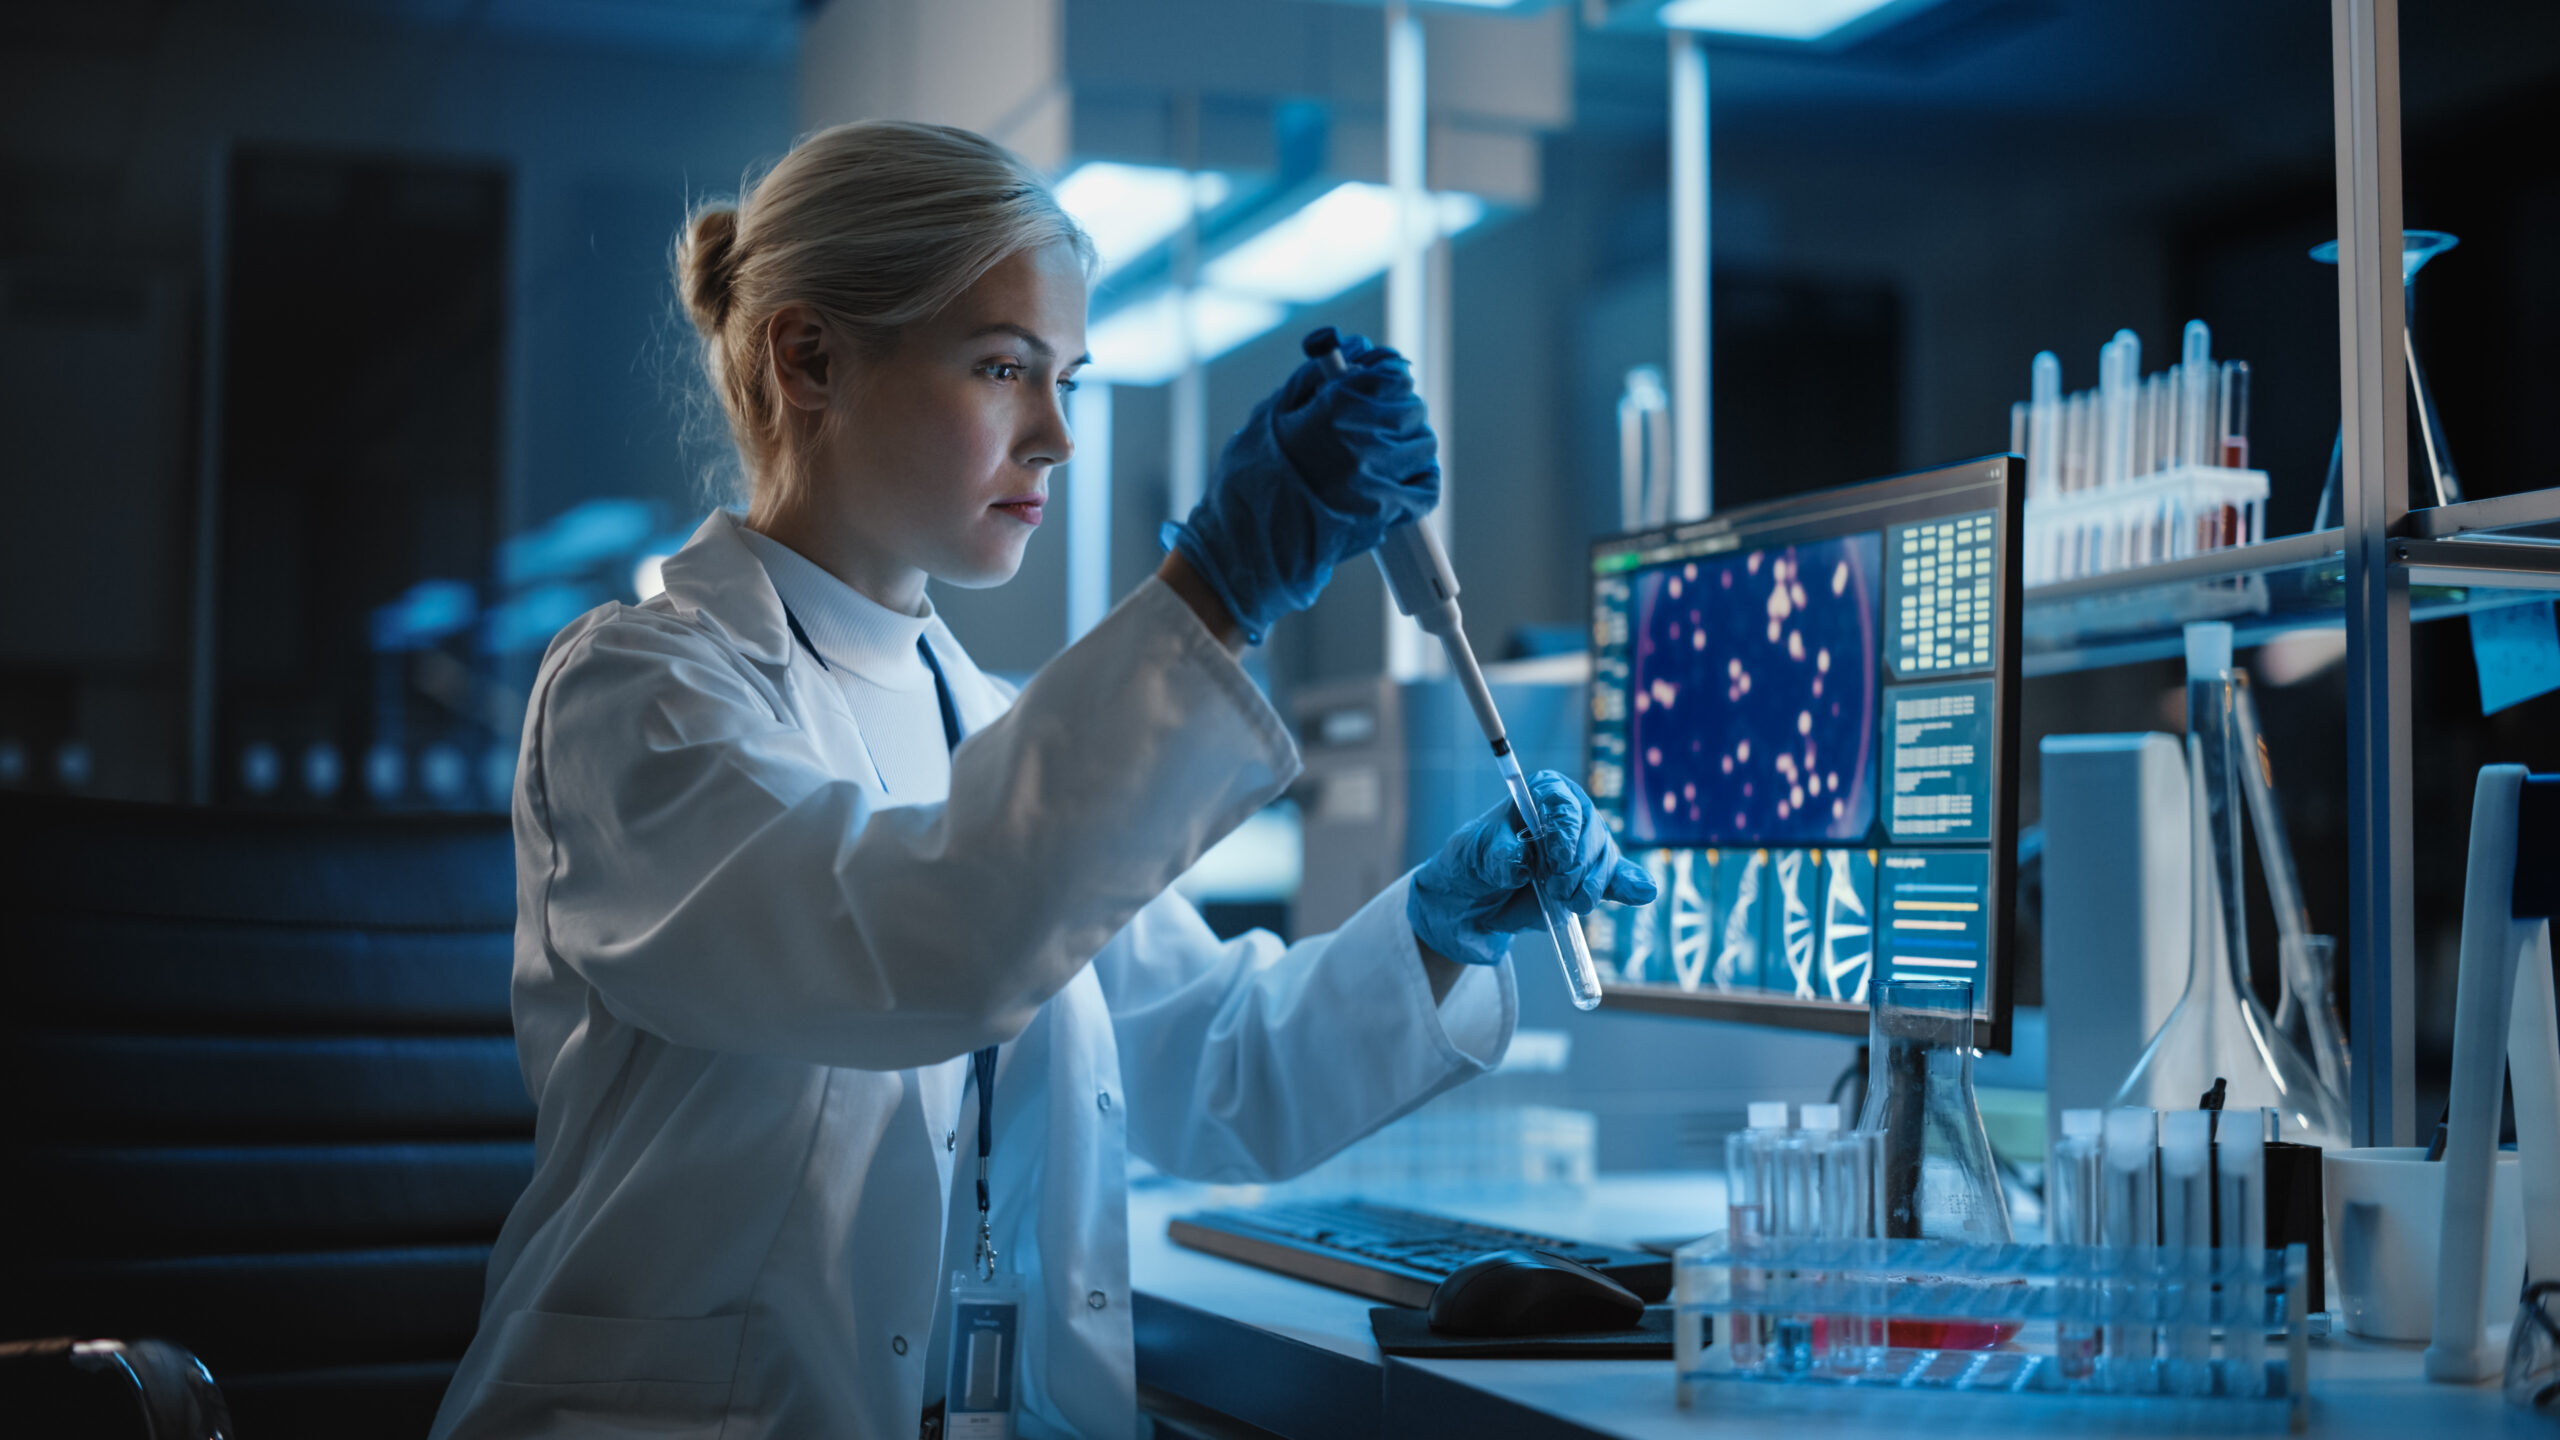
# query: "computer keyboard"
{"type": "Point", "coordinates": [1398, 1256]}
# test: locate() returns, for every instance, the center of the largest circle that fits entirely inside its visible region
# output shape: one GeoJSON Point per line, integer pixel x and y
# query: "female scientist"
{"type": "Point", "coordinates": [798, 885]}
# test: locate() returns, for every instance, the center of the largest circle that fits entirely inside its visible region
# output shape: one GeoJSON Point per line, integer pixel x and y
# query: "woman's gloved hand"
{"type": "Point", "coordinates": [1472, 897]}
{"type": "Point", "coordinates": [1319, 473]}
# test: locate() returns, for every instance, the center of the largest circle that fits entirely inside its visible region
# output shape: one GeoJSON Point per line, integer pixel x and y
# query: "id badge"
{"type": "Point", "coordinates": [980, 1394]}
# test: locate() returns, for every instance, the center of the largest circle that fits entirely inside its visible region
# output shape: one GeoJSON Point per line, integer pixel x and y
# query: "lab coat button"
{"type": "Point", "coordinates": [951, 1140]}
{"type": "Point", "coordinates": [898, 1343]}
{"type": "Point", "coordinates": [1104, 1100]}
{"type": "Point", "coordinates": [1096, 1300]}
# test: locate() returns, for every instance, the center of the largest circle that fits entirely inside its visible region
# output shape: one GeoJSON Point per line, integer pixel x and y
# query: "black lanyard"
{"type": "Point", "coordinates": [983, 1063]}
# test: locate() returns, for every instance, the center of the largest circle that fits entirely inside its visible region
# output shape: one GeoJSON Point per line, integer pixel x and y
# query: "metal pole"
{"type": "Point", "coordinates": [1692, 363]}
{"type": "Point", "coordinates": [1089, 509]}
{"type": "Point", "coordinates": [2374, 405]}
{"type": "Point", "coordinates": [1187, 470]}
{"type": "Point", "coordinates": [1409, 281]}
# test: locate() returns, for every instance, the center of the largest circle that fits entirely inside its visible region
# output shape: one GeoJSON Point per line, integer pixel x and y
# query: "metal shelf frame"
{"type": "Point", "coordinates": [2386, 566]}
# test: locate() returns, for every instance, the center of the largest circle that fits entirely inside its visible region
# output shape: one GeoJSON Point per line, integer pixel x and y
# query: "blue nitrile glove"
{"type": "Point", "coordinates": [1472, 897]}
{"type": "Point", "coordinates": [1319, 473]}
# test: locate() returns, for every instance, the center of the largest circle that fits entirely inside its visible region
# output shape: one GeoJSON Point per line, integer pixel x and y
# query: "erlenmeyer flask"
{"type": "Point", "coordinates": [2218, 1030]}
{"type": "Point", "coordinates": [1938, 1178]}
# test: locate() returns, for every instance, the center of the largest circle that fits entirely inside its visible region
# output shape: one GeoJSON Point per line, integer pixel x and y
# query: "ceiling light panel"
{"type": "Point", "coordinates": [1802, 20]}
{"type": "Point", "coordinates": [1142, 344]}
{"type": "Point", "coordinates": [1341, 239]}
{"type": "Point", "coordinates": [1131, 209]}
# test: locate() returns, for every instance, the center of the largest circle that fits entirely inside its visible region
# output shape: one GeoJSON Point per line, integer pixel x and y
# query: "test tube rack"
{"type": "Point", "coordinates": [1860, 1292]}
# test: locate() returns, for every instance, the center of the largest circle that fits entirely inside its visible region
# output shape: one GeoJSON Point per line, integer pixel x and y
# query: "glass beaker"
{"type": "Point", "coordinates": [2219, 1030]}
{"type": "Point", "coordinates": [1936, 1173]}
{"type": "Point", "coordinates": [1938, 1178]}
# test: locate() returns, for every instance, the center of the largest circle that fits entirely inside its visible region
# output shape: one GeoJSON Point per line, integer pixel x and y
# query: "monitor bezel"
{"type": "Point", "coordinates": [1826, 1016]}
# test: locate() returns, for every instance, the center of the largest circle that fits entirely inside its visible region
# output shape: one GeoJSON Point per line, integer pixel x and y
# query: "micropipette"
{"type": "Point", "coordinates": [1419, 578]}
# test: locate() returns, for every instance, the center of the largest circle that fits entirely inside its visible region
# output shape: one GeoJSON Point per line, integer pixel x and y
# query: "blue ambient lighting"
{"type": "Point", "coordinates": [1799, 20]}
{"type": "Point", "coordinates": [1131, 209]}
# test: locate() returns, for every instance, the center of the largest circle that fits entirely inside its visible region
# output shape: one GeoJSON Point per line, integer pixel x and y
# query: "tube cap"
{"type": "Point", "coordinates": [1768, 1114]}
{"type": "Point", "coordinates": [2083, 1122]}
{"type": "Point", "coordinates": [1819, 1119]}
{"type": "Point", "coordinates": [2185, 1138]}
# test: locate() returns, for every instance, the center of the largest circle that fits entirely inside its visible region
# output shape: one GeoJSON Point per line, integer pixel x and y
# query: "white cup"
{"type": "Point", "coordinates": [2386, 1222]}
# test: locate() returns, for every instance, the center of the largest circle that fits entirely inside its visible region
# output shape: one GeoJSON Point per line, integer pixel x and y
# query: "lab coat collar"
{"type": "Point", "coordinates": [716, 578]}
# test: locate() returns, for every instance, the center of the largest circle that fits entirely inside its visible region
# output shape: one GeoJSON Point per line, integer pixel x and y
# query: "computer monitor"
{"type": "Point", "coordinates": [1804, 723]}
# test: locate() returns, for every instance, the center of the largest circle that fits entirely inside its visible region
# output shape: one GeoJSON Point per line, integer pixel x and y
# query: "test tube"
{"type": "Point", "coordinates": [1800, 1216]}
{"type": "Point", "coordinates": [2146, 429]}
{"type": "Point", "coordinates": [2119, 374]}
{"type": "Point", "coordinates": [2196, 440]}
{"type": "Point", "coordinates": [1751, 1210]}
{"type": "Point", "coordinates": [2235, 415]}
{"type": "Point", "coordinates": [2186, 1238]}
{"type": "Point", "coordinates": [2044, 425]}
{"type": "Point", "coordinates": [1853, 1213]}
{"type": "Point", "coordinates": [2131, 1219]}
{"type": "Point", "coordinates": [2242, 1155]}
{"type": "Point", "coordinates": [2075, 1179]}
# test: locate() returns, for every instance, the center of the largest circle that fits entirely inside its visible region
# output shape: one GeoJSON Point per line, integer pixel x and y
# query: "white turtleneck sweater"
{"type": "Point", "coordinates": [870, 649]}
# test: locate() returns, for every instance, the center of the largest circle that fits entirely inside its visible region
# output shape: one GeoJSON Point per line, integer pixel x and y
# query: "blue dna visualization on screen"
{"type": "Point", "coordinates": [1796, 726]}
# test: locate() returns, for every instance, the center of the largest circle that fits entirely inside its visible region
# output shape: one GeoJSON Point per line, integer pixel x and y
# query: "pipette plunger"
{"type": "Point", "coordinates": [1418, 576]}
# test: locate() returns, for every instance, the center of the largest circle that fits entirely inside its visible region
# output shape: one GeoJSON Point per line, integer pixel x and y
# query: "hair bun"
{"type": "Point", "coordinates": [707, 269]}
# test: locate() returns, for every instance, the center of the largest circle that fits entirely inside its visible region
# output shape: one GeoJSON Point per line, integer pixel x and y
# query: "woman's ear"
{"type": "Point", "coordinates": [804, 358]}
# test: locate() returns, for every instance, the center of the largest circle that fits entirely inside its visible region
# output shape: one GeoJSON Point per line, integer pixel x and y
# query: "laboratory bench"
{"type": "Point", "coordinates": [1225, 1349]}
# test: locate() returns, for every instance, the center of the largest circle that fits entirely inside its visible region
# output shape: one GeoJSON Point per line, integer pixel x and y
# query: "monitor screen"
{"type": "Point", "coordinates": [1804, 724]}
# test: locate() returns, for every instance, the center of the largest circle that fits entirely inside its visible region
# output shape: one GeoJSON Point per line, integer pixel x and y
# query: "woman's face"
{"type": "Point", "coordinates": [939, 463]}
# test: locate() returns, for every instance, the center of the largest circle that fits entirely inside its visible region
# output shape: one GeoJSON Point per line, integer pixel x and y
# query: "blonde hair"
{"type": "Point", "coordinates": [875, 225]}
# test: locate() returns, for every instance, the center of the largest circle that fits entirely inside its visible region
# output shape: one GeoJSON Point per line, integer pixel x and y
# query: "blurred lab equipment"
{"type": "Point", "coordinates": [1937, 1175]}
{"type": "Point", "coordinates": [2139, 470]}
{"type": "Point", "coordinates": [2386, 1211]}
{"type": "Point", "coordinates": [2116, 921]}
{"type": "Point", "coordinates": [2417, 247]}
{"type": "Point", "coordinates": [2219, 1030]}
{"type": "Point", "coordinates": [2306, 1010]}
{"type": "Point", "coordinates": [2533, 1349]}
{"type": "Point", "coordinates": [1426, 591]}
{"type": "Point", "coordinates": [1644, 451]}
{"type": "Point", "coordinates": [2505, 1022]}
{"type": "Point", "coordinates": [2072, 1211]}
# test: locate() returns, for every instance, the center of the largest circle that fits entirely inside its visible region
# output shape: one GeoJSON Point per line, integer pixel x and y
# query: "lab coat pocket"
{"type": "Point", "coordinates": [548, 1347]}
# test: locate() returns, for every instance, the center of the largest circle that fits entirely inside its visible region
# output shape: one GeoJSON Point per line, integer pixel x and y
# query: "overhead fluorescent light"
{"type": "Point", "coordinates": [1338, 240]}
{"type": "Point", "coordinates": [1807, 21]}
{"type": "Point", "coordinates": [1131, 209]}
{"type": "Point", "coordinates": [1142, 344]}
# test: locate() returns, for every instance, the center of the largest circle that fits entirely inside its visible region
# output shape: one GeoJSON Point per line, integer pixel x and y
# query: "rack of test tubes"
{"type": "Point", "coordinates": [2140, 470]}
{"type": "Point", "coordinates": [2157, 1283]}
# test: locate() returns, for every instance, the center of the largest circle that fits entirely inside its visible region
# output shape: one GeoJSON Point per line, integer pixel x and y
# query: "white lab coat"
{"type": "Point", "coordinates": [746, 988]}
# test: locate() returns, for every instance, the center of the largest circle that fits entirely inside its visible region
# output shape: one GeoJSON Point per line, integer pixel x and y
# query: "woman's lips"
{"type": "Point", "coordinates": [1026, 509]}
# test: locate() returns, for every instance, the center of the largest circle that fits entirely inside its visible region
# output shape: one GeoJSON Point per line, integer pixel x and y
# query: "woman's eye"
{"type": "Point", "coordinates": [1066, 386]}
{"type": "Point", "coordinates": [1001, 370]}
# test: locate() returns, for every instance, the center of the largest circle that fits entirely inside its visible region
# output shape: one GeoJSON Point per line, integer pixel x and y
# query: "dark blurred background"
{"type": "Point", "coordinates": [339, 366]}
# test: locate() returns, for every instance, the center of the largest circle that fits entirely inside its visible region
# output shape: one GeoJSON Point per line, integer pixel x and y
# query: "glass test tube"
{"type": "Point", "coordinates": [2242, 1153]}
{"type": "Point", "coordinates": [1751, 1202]}
{"type": "Point", "coordinates": [2235, 414]}
{"type": "Point", "coordinates": [2044, 425]}
{"type": "Point", "coordinates": [1800, 1215]}
{"type": "Point", "coordinates": [2132, 1230]}
{"type": "Point", "coordinates": [1853, 1213]}
{"type": "Point", "coordinates": [2196, 440]}
{"type": "Point", "coordinates": [2074, 1182]}
{"type": "Point", "coordinates": [2186, 1242]}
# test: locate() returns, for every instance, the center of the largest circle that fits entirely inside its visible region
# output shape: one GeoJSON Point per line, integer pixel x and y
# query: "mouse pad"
{"type": "Point", "coordinates": [1408, 1332]}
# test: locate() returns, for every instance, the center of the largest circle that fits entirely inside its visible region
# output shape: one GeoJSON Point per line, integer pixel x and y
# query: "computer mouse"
{"type": "Point", "coordinates": [1530, 1292]}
